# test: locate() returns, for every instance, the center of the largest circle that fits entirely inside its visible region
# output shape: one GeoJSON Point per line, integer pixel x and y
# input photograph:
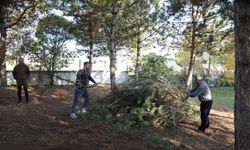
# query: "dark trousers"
{"type": "Point", "coordinates": [205, 108]}
{"type": "Point", "coordinates": [19, 92]}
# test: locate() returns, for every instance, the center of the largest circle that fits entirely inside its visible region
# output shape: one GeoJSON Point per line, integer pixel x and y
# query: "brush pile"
{"type": "Point", "coordinates": [149, 101]}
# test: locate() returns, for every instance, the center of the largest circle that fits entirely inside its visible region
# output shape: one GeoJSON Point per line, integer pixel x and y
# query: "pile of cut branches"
{"type": "Point", "coordinates": [149, 101]}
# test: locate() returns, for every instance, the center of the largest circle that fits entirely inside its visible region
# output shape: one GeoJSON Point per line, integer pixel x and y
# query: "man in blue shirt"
{"type": "Point", "coordinates": [203, 92]}
{"type": "Point", "coordinates": [82, 80]}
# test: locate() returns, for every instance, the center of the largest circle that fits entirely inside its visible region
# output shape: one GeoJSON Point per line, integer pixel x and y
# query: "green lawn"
{"type": "Point", "coordinates": [223, 97]}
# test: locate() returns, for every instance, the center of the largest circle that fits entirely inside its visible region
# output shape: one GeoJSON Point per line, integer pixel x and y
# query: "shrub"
{"type": "Point", "coordinates": [154, 66]}
{"type": "Point", "coordinates": [226, 80]}
{"type": "Point", "coordinates": [148, 102]}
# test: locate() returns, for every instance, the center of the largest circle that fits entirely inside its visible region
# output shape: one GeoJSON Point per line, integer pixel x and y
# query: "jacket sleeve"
{"type": "Point", "coordinates": [192, 90]}
{"type": "Point", "coordinates": [199, 90]}
{"type": "Point", "coordinates": [91, 79]}
{"type": "Point", "coordinates": [14, 73]}
{"type": "Point", "coordinates": [78, 78]}
{"type": "Point", "coordinates": [27, 70]}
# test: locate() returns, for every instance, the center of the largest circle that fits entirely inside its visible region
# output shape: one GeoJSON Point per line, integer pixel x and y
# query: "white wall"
{"type": "Point", "coordinates": [42, 78]}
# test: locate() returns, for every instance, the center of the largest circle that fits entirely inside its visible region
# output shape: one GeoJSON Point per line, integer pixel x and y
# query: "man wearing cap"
{"type": "Point", "coordinates": [203, 92]}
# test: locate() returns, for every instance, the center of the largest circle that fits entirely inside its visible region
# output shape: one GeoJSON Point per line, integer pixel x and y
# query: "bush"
{"type": "Point", "coordinates": [226, 80]}
{"type": "Point", "coordinates": [154, 66]}
{"type": "Point", "coordinates": [148, 102]}
{"type": "Point", "coordinates": [222, 82]}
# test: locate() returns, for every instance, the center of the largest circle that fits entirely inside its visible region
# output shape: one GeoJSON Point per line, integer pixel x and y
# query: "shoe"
{"type": "Point", "coordinates": [19, 101]}
{"type": "Point", "coordinates": [201, 129]}
{"type": "Point", "coordinates": [73, 116]}
{"type": "Point", "coordinates": [83, 110]}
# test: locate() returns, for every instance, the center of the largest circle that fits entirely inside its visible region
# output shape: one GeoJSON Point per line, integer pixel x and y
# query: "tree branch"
{"type": "Point", "coordinates": [19, 18]}
{"type": "Point", "coordinates": [127, 7]}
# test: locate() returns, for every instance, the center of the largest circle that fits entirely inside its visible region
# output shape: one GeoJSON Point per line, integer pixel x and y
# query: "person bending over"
{"type": "Point", "coordinates": [203, 92]}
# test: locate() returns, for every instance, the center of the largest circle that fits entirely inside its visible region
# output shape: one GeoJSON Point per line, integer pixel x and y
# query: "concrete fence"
{"type": "Point", "coordinates": [42, 78]}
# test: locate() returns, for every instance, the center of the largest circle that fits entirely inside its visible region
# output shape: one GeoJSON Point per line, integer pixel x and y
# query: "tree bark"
{"type": "Point", "coordinates": [4, 25]}
{"type": "Point", "coordinates": [138, 55]}
{"type": "Point", "coordinates": [51, 78]}
{"type": "Point", "coordinates": [52, 71]}
{"type": "Point", "coordinates": [91, 41]}
{"type": "Point", "coordinates": [113, 55]}
{"type": "Point", "coordinates": [209, 64]}
{"type": "Point", "coordinates": [3, 37]}
{"type": "Point", "coordinates": [193, 48]}
{"type": "Point", "coordinates": [242, 74]}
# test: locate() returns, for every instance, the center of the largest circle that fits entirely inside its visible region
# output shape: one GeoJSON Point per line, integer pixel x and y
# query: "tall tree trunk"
{"type": "Point", "coordinates": [91, 41]}
{"type": "Point", "coordinates": [51, 78]}
{"type": "Point", "coordinates": [138, 55]}
{"type": "Point", "coordinates": [113, 55]}
{"type": "Point", "coordinates": [3, 37]}
{"type": "Point", "coordinates": [209, 64]}
{"type": "Point", "coordinates": [242, 74]}
{"type": "Point", "coordinates": [52, 71]}
{"type": "Point", "coordinates": [193, 48]}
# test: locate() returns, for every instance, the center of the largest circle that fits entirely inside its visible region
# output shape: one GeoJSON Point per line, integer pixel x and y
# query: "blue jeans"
{"type": "Point", "coordinates": [80, 91]}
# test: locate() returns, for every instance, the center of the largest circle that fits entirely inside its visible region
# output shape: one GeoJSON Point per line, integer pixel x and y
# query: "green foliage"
{"type": "Point", "coordinates": [227, 80]}
{"type": "Point", "coordinates": [183, 58]}
{"type": "Point", "coordinates": [212, 24]}
{"type": "Point", "coordinates": [229, 60]}
{"type": "Point", "coordinates": [47, 50]}
{"type": "Point", "coordinates": [148, 102]}
{"type": "Point", "coordinates": [154, 66]}
{"type": "Point", "coordinates": [143, 23]}
{"type": "Point", "coordinates": [88, 22]}
{"type": "Point", "coordinates": [229, 64]}
{"type": "Point", "coordinates": [13, 15]}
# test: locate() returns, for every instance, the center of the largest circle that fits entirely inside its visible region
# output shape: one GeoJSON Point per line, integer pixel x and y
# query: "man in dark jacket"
{"type": "Point", "coordinates": [21, 74]}
{"type": "Point", "coordinates": [203, 92]}
{"type": "Point", "coordinates": [82, 80]}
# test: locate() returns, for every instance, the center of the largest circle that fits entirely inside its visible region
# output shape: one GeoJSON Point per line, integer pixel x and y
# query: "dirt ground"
{"type": "Point", "coordinates": [44, 124]}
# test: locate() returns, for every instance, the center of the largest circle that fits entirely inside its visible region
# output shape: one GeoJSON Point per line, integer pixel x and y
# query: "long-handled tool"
{"type": "Point", "coordinates": [75, 83]}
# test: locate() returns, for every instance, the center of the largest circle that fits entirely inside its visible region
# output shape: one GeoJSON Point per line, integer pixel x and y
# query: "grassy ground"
{"type": "Point", "coordinates": [223, 97]}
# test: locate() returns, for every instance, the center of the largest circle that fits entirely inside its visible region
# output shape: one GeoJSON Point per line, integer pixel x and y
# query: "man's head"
{"type": "Point", "coordinates": [198, 79]}
{"type": "Point", "coordinates": [87, 65]}
{"type": "Point", "coordinates": [21, 61]}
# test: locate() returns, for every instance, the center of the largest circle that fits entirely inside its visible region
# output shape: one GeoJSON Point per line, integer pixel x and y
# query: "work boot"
{"type": "Point", "coordinates": [19, 101]}
{"type": "Point", "coordinates": [201, 129]}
